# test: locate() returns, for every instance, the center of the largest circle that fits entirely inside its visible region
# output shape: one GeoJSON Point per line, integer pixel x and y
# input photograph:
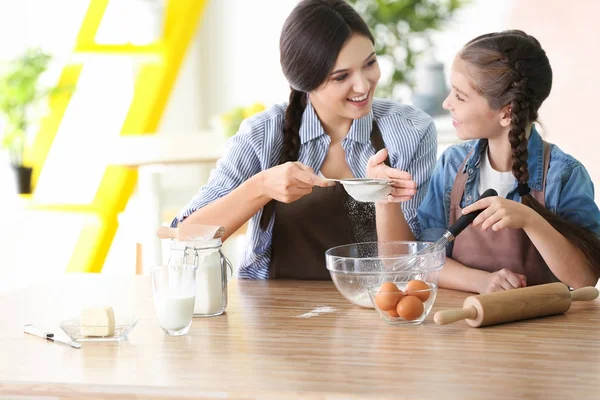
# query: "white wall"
{"type": "Point", "coordinates": [240, 54]}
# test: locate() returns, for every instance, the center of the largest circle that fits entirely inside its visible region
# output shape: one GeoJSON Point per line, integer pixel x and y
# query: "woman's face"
{"type": "Point", "coordinates": [347, 92]}
{"type": "Point", "coordinates": [472, 116]}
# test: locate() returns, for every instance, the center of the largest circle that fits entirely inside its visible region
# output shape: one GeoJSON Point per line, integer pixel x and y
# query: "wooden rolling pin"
{"type": "Point", "coordinates": [515, 305]}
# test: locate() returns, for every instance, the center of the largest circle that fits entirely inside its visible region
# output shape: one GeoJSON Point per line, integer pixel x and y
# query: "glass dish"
{"type": "Point", "coordinates": [391, 316]}
{"type": "Point", "coordinates": [123, 327]}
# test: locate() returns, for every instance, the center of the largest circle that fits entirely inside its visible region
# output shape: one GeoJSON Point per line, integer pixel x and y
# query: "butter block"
{"type": "Point", "coordinates": [97, 321]}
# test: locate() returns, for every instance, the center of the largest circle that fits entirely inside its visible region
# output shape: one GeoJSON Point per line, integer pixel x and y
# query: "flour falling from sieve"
{"type": "Point", "coordinates": [362, 220]}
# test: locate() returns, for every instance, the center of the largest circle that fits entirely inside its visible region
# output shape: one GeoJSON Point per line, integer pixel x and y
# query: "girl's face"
{"type": "Point", "coordinates": [347, 93]}
{"type": "Point", "coordinates": [472, 116]}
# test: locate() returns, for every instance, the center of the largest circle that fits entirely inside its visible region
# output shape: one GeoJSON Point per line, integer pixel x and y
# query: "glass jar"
{"type": "Point", "coordinates": [211, 273]}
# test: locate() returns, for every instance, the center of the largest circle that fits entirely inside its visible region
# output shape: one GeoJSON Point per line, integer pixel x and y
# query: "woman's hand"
{"type": "Point", "coordinates": [501, 280]}
{"type": "Point", "coordinates": [404, 188]}
{"type": "Point", "coordinates": [500, 213]}
{"type": "Point", "coordinates": [290, 181]}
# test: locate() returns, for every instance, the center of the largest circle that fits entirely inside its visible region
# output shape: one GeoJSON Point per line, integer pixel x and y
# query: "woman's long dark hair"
{"type": "Point", "coordinates": [511, 68]}
{"type": "Point", "coordinates": [310, 42]}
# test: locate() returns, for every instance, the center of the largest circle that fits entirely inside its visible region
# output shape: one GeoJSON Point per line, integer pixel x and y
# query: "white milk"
{"type": "Point", "coordinates": [209, 285]}
{"type": "Point", "coordinates": [174, 313]}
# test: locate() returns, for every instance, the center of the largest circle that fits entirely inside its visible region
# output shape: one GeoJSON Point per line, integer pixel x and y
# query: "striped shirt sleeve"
{"type": "Point", "coordinates": [421, 167]}
{"type": "Point", "coordinates": [239, 162]}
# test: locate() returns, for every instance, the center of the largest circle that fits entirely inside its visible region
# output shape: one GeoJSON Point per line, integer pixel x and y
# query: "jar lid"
{"type": "Point", "coordinates": [201, 244]}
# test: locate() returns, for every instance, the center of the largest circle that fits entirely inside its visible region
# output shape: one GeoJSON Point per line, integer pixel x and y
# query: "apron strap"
{"type": "Point", "coordinates": [377, 141]}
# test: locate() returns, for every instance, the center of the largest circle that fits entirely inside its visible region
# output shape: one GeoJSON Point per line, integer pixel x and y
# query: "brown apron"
{"type": "Point", "coordinates": [325, 218]}
{"type": "Point", "coordinates": [509, 248]}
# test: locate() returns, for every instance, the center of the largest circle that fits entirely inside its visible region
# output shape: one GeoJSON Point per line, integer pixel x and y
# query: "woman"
{"type": "Point", "coordinates": [543, 226]}
{"type": "Point", "coordinates": [273, 170]}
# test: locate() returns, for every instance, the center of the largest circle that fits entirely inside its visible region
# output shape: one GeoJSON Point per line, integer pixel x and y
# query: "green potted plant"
{"type": "Point", "coordinates": [21, 92]}
{"type": "Point", "coordinates": [402, 30]}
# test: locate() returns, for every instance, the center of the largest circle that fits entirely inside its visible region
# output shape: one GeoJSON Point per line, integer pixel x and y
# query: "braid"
{"type": "Point", "coordinates": [291, 127]}
{"type": "Point", "coordinates": [521, 108]}
{"type": "Point", "coordinates": [517, 136]}
{"type": "Point", "coordinates": [291, 143]}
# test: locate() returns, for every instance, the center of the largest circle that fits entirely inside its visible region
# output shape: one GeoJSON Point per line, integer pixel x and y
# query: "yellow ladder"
{"type": "Point", "coordinates": [153, 85]}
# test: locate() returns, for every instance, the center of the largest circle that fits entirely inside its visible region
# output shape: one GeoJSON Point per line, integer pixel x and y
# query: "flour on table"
{"type": "Point", "coordinates": [316, 312]}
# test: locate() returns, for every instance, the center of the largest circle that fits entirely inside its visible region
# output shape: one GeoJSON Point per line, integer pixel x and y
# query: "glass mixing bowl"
{"type": "Point", "coordinates": [354, 268]}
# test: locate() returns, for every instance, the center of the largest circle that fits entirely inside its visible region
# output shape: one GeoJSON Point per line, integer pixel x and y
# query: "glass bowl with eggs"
{"type": "Point", "coordinates": [398, 279]}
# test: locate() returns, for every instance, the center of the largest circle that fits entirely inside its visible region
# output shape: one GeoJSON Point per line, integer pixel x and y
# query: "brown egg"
{"type": "Point", "coordinates": [388, 296]}
{"type": "Point", "coordinates": [419, 289]}
{"type": "Point", "coordinates": [393, 313]}
{"type": "Point", "coordinates": [410, 308]}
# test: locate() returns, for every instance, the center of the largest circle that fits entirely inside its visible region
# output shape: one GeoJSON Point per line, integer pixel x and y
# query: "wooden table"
{"type": "Point", "coordinates": [276, 343]}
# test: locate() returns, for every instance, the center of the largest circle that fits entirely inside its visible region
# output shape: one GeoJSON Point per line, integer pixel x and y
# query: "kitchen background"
{"type": "Point", "coordinates": [75, 219]}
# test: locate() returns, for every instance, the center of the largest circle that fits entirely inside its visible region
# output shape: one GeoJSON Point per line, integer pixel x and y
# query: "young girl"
{"type": "Point", "coordinates": [542, 226]}
{"type": "Point", "coordinates": [272, 171]}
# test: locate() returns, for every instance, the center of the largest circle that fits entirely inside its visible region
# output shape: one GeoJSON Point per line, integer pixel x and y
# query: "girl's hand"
{"type": "Point", "coordinates": [290, 181]}
{"type": "Point", "coordinates": [404, 188]}
{"type": "Point", "coordinates": [501, 280]}
{"type": "Point", "coordinates": [500, 213]}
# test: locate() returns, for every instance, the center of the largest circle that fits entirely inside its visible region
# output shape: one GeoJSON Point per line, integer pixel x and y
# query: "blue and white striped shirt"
{"type": "Point", "coordinates": [408, 133]}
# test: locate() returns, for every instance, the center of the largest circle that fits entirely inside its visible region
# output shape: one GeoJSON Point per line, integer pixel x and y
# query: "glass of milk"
{"type": "Point", "coordinates": [174, 293]}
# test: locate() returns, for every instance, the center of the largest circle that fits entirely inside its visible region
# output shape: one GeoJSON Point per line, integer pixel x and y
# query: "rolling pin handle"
{"type": "Point", "coordinates": [584, 294]}
{"type": "Point", "coordinates": [444, 317]}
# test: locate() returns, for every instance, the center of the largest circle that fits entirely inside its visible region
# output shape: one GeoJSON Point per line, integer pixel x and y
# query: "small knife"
{"type": "Point", "coordinates": [32, 330]}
